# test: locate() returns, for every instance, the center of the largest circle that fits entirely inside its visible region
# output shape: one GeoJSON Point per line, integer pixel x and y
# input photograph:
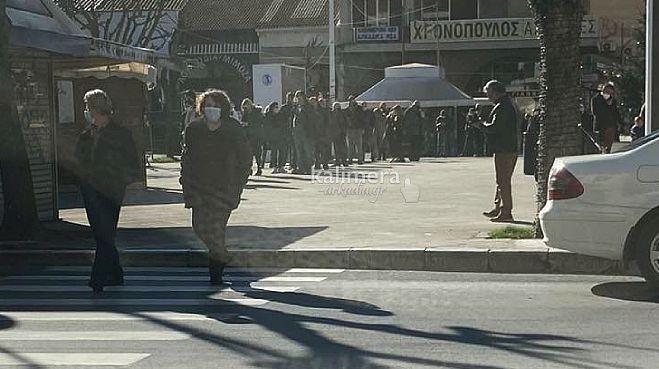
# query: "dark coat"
{"type": "Point", "coordinates": [255, 129]}
{"type": "Point", "coordinates": [215, 164]}
{"type": "Point", "coordinates": [606, 116]}
{"type": "Point", "coordinates": [109, 164]}
{"type": "Point", "coordinates": [502, 126]}
{"type": "Point", "coordinates": [303, 119]}
{"type": "Point", "coordinates": [413, 121]}
{"type": "Point", "coordinates": [355, 117]}
{"type": "Point", "coordinates": [338, 126]}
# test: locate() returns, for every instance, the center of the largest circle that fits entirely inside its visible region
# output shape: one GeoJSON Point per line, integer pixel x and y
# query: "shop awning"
{"type": "Point", "coordinates": [406, 83]}
{"type": "Point", "coordinates": [42, 25]}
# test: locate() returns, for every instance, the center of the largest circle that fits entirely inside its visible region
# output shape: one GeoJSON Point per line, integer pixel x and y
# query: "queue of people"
{"type": "Point", "coordinates": [306, 132]}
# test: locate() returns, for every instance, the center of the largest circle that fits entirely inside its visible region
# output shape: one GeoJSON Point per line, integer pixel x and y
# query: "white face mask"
{"type": "Point", "coordinates": [212, 114]}
{"type": "Point", "coordinates": [606, 96]}
{"type": "Point", "coordinates": [89, 118]}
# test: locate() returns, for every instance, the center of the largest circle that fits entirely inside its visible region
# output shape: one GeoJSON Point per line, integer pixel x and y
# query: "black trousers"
{"type": "Point", "coordinates": [103, 216]}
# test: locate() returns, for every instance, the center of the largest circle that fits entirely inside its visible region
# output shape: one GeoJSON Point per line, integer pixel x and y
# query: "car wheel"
{"type": "Point", "coordinates": [647, 251]}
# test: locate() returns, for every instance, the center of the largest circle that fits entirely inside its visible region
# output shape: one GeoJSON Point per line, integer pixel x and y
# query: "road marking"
{"type": "Point", "coordinates": [71, 359]}
{"type": "Point", "coordinates": [107, 316]}
{"type": "Point", "coordinates": [76, 288]}
{"type": "Point", "coordinates": [167, 278]}
{"type": "Point", "coordinates": [131, 302]}
{"type": "Point", "coordinates": [22, 335]}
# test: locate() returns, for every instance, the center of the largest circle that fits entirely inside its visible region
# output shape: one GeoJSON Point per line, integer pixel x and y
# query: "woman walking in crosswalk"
{"type": "Point", "coordinates": [216, 163]}
{"type": "Point", "coordinates": [106, 162]}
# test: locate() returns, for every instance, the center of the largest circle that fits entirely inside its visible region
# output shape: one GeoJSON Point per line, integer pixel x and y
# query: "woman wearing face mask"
{"type": "Point", "coordinates": [107, 162]}
{"type": "Point", "coordinates": [607, 117]}
{"type": "Point", "coordinates": [215, 166]}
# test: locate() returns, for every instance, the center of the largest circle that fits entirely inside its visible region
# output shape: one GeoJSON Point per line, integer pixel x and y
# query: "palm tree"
{"type": "Point", "coordinates": [559, 27]}
{"type": "Point", "coordinates": [19, 213]}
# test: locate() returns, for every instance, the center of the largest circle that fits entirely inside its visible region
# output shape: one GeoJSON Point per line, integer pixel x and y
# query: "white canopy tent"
{"type": "Point", "coordinates": [406, 83]}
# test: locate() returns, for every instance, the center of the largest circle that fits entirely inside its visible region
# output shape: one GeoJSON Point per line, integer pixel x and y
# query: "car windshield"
{"type": "Point", "coordinates": [640, 142]}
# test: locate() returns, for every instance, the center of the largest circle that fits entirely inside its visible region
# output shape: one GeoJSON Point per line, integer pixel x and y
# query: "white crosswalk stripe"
{"type": "Point", "coordinates": [70, 359]}
{"type": "Point", "coordinates": [56, 297]}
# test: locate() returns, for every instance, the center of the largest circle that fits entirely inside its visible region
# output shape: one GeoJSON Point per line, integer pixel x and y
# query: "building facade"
{"type": "Point", "coordinates": [474, 40]}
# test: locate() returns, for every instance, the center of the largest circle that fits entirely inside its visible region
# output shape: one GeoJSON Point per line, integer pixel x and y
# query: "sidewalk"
{"type": "Point", "coordinates": [411, 216]}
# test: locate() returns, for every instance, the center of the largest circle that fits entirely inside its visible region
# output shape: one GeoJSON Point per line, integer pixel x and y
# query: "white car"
{"type": "Point", "coordinates": [607, 205]}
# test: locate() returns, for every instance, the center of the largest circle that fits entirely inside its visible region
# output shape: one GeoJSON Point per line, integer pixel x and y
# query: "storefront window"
{"type": "Point", "coordinates": [431, 9]}
{"type": "Point", "coordinates": [464, 9]}
{"type": "Point", "coordinates": [372, 13]}
{"type": "Point", "coordinates": [358, 13]}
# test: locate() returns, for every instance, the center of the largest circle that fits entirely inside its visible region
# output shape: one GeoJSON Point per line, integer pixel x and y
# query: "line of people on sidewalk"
{"type": "Point", "coordinates": [306, 133]}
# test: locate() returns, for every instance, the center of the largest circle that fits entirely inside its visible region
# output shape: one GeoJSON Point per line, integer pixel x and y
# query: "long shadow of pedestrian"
{"type": "Point", "coordinates": [288, 316]}
{"type": "Point", "coordinates": [627, 291]}
{"type": "Point", "coordinates": [8, 323]}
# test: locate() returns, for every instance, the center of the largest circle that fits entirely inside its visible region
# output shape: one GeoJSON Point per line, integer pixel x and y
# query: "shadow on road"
{"type": "Point", "coordinates": [627, 291]}
{"type": "Point", "coordinates": [76, 236]}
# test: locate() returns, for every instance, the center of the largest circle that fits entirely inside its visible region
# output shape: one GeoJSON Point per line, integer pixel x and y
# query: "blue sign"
{"type": "Point", "coordinates": [376, 34]}
{"type": "Point", "coordinates": [266, 79]}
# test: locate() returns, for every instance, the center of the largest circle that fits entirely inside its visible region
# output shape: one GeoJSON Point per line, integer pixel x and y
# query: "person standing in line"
{"type": "Point", "coordinates": [470, 146]}
{"type": "Point", "coordinates": [396, 134]}
{"type": "Point", "coordinates": [440, 129]}
{"type": "Point", "coordinates": [607, 116]}
{"type": "Point", "coordinates": [316, 120]}
{"type": "Point", "coordinates": [303, 133]}
{"type": "Point", "coordinates": [338, 132]}
{"type": "Point", "coordinates": [107, 162]}
{"type": "Point", "coordinates": [215, 166]}
{"type": "Point", "coordinates": [413, 118]}
{"type": "Point", "coordinates": [286, 113]}
{"type": "Point", "coordinates": [380, 130]}
{"type": "Point", "coordinates": [252, 117]}
{"type": "Point", "coordinates": [277, 126]}
{"type": "Point", "coordinates": [324, 148]}
{"type": "Point", "coordinates": [502, 125]}
{"type": "Point", "coordinates": [355, 131]}
{"type": "Point", "coordinates": [370, 140]}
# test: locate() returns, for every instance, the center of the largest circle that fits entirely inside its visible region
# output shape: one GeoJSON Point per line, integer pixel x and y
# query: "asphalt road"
{"type": "Point", "coordinates": [330, 319]}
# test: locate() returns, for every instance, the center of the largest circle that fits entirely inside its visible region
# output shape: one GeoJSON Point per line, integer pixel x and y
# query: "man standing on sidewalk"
{"type": "Point", "coordinates": [607, 117]}
{"type": "Point", "coordinates": [502, 127]}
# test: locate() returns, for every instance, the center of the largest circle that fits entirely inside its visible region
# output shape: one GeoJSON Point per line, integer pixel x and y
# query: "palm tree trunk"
{"type": "Point", "coordinates": [559, 27]}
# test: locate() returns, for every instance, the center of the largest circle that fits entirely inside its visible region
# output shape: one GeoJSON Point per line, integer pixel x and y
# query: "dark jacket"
{"type": "Point", "coordinates": [606, 116]}
{"type": "Point", "coordinates": [322, 123]}
{"type": "Point", "coordinates": [413, 121]}
{"type": "Point", "coordinates": [286, 113]}
{"type": "Point", "coordinates": [355, 117]}
{"type": "Point", "coordinates": [338, 125]}
{"type": "Point", "coordinates": [215, 164]}
{"type": "Point", "coordinates": [109, 164]}
{"type": "Point", "coordinates": [502, 126]}
{"type": "Point", "coordinates": [303, 116]}
{"type": "Point", "coordinates": [255, 129]}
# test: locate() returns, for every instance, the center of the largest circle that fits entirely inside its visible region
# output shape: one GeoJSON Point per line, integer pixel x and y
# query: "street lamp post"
{"type": "Point", "coordinates": [332, 53]}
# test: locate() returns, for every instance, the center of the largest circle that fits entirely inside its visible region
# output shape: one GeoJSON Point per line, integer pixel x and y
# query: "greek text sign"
{"type": "Point", "coordinates": [487, 30]}
{"type": "Point", "coordinates": [365, 34]}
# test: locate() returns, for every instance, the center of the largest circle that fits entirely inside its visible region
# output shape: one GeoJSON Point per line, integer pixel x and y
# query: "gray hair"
{"type": "Point", "coordinates": [99, 101]}
{"type": "Point", "coordinates": [495, 86]}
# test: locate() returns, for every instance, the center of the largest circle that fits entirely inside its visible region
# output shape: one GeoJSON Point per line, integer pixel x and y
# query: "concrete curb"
{"type": "Point", "coordinates": [437, 259]}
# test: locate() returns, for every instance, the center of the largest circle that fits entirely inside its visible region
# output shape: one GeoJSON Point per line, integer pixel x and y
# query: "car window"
{"type": "Point", "coordinates": [640, 142]}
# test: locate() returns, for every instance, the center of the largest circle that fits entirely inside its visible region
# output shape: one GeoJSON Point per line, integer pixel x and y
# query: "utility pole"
{"type": "Point", "coordinates": [404, 21]}
{"type": "Point", "coordinates": [651, 79]}
{"type": "Point", "coordinates": [436, 34]}
{"type": "Point", "coordinates": [332, 53]}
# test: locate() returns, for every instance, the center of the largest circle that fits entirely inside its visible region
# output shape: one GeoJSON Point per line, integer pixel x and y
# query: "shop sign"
{"type": "Point", "coordinates": [487, 30]}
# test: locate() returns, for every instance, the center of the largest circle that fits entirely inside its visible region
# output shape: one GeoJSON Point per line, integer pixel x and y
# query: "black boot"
{"type": "Point", "coordinates": [216, 270]}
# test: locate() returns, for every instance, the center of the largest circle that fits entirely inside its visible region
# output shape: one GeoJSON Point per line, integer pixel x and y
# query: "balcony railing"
{"type": "Point", "coordinates": [223, 49]}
